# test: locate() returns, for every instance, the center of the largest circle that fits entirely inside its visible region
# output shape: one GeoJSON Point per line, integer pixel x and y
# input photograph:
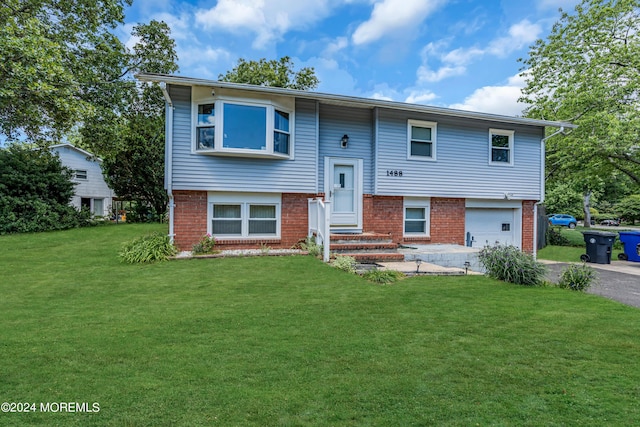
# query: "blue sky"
{"type": "Point", "coordinates": [449, 53]}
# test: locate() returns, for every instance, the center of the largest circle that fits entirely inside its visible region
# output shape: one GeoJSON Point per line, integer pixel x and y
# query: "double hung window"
{"type": "Point", "coordinates": [500, 147]}
{"type": "Point", "coordinates": [421, 143]}
{"type": "Point", "coordinates": [238, 216]}
{"type": "Point", "coordinates": [416, 217]}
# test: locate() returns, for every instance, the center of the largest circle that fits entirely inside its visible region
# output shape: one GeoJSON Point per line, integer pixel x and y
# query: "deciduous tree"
{"type": "Point", "coordinates": [276, 73]}
{"type": "Point", "coordinates": [588, 71]}
{"type": "Point", "coordinates": [52, 56]}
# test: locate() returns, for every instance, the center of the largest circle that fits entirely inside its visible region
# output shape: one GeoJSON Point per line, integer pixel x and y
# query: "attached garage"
{"type": "Point", "coordinates": [488, 223]}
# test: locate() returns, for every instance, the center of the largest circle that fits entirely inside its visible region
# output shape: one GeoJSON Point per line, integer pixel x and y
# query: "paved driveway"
{"type": "Point", "coordinates": [618, 281]}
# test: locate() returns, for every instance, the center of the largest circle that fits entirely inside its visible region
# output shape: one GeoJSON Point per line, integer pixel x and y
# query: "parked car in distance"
{"type": "Point", "coordinates": [564, 220]}
{"type": "Point", "coordinates": [613, 222]}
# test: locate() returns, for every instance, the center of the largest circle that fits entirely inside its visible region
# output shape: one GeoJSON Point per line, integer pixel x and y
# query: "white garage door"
{"type": "Point", "coordinates": [488, 226]}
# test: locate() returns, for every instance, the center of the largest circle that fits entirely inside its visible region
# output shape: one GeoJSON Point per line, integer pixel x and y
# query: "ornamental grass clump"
{"type": "Point", "coordinates": [577, 277]}
{"type": "Point", "coordinates": [510, 264]}
{"type": "Point", "coordinates": [149, 248]}
{"type": "Point", "coordinates": [206, 245]}
{"type": "Point", "coordinates": [383, 277]}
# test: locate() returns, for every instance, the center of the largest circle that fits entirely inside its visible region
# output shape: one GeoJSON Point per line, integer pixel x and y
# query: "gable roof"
{"type": "Point", "coordinates": [79, 150]}
{"type": "Point", "coordinates": [349, 100]}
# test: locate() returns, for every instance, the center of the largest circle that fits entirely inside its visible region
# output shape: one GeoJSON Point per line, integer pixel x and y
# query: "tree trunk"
{"type": "Point", "coordinates": [586, 205]}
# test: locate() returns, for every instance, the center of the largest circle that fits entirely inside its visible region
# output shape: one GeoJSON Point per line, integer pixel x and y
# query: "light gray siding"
{"type": "Point", "coordinates": [462, 167]}
{"type": "Point", "coordinates": [357, 123]}
{"type": "Point", "coordinates": [193, 171]}
{"type": "Point", "coordinates": [94, 186]}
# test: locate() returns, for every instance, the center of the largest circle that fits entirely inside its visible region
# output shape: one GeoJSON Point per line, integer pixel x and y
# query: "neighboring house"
{"type": "Point", "coordinates": [91, 191]}
{"type": "Point", "coordinates": [242, 162]}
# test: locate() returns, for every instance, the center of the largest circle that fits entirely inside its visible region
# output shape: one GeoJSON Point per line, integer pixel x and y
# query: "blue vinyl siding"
{"type": "Point", "coordinates": [462, 168]}
{"type": "Point", "coordinates": [357, 123]}
{"type": "Point", "coordinates": [193, 171]}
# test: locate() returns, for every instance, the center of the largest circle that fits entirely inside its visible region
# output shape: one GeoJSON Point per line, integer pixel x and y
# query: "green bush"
{"type": "Point", "coordinates": [149, 248]}
{"type": "Point", "coordinates": [345, 263]}
{"type": "Point", "coordinates": [555, 237]}
{"type": "Point", "coordinates": [311, 246]}
{"type": "Point", "coordinates": [383, 277]}
{"type": "Point", "coordinates": [577, 277]}
{"type": "Point", "coordinates": [509, 264]}
{"type": "Point", "coordinates": [35, 191]}
{"type": "Point", "coordinates": [206, 245]}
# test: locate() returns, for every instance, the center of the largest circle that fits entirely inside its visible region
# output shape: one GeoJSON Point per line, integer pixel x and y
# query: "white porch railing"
{"type": "Point", "coordinates": [319, 224]}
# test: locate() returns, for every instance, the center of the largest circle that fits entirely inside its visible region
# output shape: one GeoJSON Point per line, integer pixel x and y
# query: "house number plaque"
{"type": "Point", "coordinates": [394, 173]}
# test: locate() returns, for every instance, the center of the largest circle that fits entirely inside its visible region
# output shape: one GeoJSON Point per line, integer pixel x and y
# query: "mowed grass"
{"type": "Point", "coordinates": [576, 246]}
{"type": "Point", "coordinates": [271, 341]}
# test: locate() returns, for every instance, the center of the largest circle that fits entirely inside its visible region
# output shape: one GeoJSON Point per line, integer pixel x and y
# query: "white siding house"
{"type": "Point", "coordinates": [91, 190]}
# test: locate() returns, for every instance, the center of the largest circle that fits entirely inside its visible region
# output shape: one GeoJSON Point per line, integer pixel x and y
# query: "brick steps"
{"type": "Point", "coordinates": [366, 247]}
{"type": "Point", "coordinates": [374, 257]}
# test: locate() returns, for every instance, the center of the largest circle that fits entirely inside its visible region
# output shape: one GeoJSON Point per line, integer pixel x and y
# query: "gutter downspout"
{"type": "Point", "coordinates": [168, 155]}
{"type": "Point", "coordinates": [542, 189]}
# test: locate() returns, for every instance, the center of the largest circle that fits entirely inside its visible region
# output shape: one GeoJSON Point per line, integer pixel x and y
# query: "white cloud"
{"type": "Point", "coordinates": [496, 99]}
{"type": "Point", "coordinates": [455, 62]}
{"type": "Point", "coordinates": [425, 74]}
{"type": "Point", "coordinates": [266, 20]}
{"type": "Point", "coordinates": [520, 35]}
{"type": "Point", "coordinates": [392, 16]}
{"type": "Point", "coordinates": [335, 46]}
{"type": "Point", "coordinates": [420, 97]}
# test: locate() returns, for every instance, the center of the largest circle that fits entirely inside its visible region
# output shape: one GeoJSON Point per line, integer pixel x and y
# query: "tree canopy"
{"type": "Point", "coordinates": [275, 73]}
{"type": "Point", "coordinates": [588, 72]}
{"type": "Point", "coordinates": [52, 56]}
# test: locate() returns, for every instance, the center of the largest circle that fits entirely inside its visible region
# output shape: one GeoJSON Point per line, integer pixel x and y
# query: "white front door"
{"type": "Point", "coordinates": [343, 187]}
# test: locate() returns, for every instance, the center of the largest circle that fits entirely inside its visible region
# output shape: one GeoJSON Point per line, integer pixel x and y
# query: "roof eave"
{"type": "Point", "coordinates": [351, 100]}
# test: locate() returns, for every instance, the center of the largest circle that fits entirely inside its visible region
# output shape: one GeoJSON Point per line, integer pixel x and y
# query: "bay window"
{"type": "Point", "coordinates": [242, 128]}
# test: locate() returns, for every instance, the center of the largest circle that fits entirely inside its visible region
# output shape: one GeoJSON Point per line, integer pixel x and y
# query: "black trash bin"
{"type": "Point", "coordinates": [599, 246]}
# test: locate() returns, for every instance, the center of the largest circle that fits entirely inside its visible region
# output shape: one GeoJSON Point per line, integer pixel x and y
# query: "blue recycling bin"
{"type": "Point", "coordinates": [631, 241]}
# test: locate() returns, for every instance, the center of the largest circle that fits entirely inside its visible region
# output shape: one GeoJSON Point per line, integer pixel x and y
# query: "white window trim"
{"type": "Point", "coordinates": [417, 202]}
{"type": "Point", "coordinates": [245, 200]}
{"type": "Point", "coordinates": [219, 149]}
{"type": "Point", "coordinates": [434, 138]}
{"type": "Point", "coordinates": [83, 172]}
{"type": "Point", "coordinates": [503, 132]}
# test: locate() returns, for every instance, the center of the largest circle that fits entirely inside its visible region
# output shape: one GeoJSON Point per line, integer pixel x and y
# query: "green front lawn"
{"type": "Point", "coordinates": [576, 246]}
{"type": "Point", "coordinates": [291, 341]}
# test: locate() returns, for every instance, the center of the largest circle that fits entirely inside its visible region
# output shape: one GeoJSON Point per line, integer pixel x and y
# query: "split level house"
{"type": "Point", "coordinates": [253, 165]}
{"type": "Point", "coordinates": [91, 190]}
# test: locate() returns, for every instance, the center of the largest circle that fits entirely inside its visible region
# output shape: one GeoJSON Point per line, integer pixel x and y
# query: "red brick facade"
{"type": "Point", "coordinates": [528, 220]}
{"type": "Point", "coordinates": [448, 221]}
{"type": "Point", "coordinates": [381, 214]}
{"type": "Point", "coordinates": [190, 217]}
